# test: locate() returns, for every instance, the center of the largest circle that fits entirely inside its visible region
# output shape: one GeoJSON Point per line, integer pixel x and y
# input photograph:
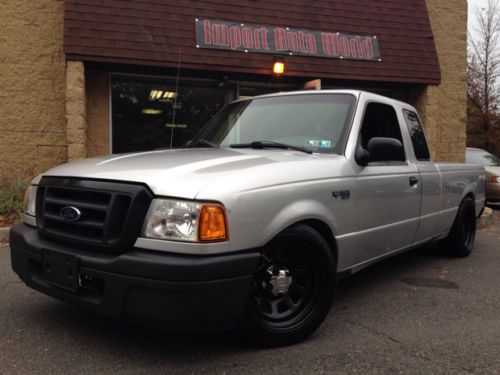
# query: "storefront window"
{"type": "Point", "coordinates": [149, 114]}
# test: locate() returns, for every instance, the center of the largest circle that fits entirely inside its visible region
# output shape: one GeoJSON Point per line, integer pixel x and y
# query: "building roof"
{"type": "Point", "coordinates": [154, 32]}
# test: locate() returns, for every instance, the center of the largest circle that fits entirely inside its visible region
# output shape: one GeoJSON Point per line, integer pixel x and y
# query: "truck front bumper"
{"type": "Point", "coordinates": [165, 290]}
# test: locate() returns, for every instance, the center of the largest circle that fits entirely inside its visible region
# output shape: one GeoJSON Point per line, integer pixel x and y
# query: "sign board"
{"type": "Point", "coordinates": [244, 37]}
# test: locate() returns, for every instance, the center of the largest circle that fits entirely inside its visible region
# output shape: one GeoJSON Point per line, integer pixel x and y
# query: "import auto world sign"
{"type": "Point", "coordinates": [245, 37]}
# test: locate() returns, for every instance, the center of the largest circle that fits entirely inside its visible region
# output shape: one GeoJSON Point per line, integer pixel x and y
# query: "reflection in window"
{"type": "Point", "coordinates": [150, 114]}
{"type": "Point", "coordinates": [417, 136]}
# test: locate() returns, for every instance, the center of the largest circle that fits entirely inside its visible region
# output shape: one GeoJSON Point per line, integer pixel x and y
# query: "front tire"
{"type": "Point", "coordinates": [292, 290]}
{"type": "Point", "coordinates": [462, 236]}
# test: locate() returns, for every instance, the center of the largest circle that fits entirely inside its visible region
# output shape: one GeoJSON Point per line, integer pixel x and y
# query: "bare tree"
{"type": "Point", "coordinates": [484, 68]}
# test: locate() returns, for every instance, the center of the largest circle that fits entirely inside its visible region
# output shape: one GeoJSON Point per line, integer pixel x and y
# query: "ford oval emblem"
{"type": "Point", "coordinates": [70, 213]}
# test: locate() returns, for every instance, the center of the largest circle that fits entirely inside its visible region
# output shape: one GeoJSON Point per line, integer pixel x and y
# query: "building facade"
{"type": "Point", "coordinates": [87, 78]}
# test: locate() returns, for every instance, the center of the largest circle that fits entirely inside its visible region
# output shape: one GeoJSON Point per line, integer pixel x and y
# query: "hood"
{"type": "Point", "coordinates": [177, 173]}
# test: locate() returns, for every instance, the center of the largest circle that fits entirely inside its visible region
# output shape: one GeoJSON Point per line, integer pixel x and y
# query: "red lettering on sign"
{"type": "Point", "coordinates": [359, 46]}
{"type": "Point", "coordinates": [220, 34]}
{"type": "Point", "coordinates": [256, 38]}
{"type": "Point", "coordinates": [235, 37]}
{"type": "Point", "coordinates": [206, 32]}
{"type": "Point", "coordinates": [302, 44]}
{"type": "Point", "coordinates": [265, 45]}
{"type": "Point", "coordinates": [368, 48]}
{"type": "Point", "coordinates": [247, 37]}
{"type": "Point", "coordinates": [353, 48]}
{"type": "Point", "coordinates": [280, 39]}
{"type": "Point", "coordinates": [330, 44]}
{"type": "Point", "coordinates": [344, 46]}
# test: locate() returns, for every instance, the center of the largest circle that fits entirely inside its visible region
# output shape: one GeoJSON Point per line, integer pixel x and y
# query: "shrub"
{"type": "Point", "coordinates": [11, 199]}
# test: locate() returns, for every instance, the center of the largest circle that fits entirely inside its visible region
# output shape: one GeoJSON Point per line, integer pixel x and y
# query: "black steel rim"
{"type": "Point", "coordinates": [286, 311]}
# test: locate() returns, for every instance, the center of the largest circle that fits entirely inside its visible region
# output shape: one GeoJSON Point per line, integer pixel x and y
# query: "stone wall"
{"type": "Point", "coordinates": [97, 113]}
{"type": "Point", "coordinates": [443, 107]}
{"type": "Point", "coordinates": [32, 86]}
{"type": "Point", "coordinates": [76, 113]}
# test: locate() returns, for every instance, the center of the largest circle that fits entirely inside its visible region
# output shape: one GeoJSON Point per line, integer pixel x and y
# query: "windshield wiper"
{"type": "Point", "coordinates": [200, 143]}
{"type": "Point", "coordinates": [270, 144]}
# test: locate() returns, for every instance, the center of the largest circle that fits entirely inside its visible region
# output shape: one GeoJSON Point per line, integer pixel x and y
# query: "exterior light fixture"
{"type": "Point", "coordinates": [278, 65]}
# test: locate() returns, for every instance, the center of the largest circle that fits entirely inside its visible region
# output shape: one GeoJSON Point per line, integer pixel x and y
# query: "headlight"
{"type": "Point", "coordinates": [30, 200]}
{"type": "Point", "coordinates": [185, 221]}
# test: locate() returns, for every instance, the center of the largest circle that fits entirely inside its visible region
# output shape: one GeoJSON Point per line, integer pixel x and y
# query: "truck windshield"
{"type": "Point", "coordinates": [316, 122]}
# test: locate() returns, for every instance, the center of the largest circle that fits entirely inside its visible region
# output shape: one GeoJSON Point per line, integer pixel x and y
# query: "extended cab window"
{"type": "Point", "coordinates": [380, 121]}
{"type": "Point", "coordinates": [417, 135]}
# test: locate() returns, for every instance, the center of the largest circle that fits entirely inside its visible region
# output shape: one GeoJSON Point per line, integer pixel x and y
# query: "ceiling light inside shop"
{"type": "Point", "coordinates": [161, 95]}
{"type": "Point", "coordinates": [151, 111]}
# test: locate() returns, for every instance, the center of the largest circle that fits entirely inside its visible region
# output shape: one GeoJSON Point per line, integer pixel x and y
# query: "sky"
{"type": "Point", "coordinates": [471, 4]}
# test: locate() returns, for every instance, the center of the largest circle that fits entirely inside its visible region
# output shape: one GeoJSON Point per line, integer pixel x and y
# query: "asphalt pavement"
{"type": "Point", "coordinates": [417, 313]}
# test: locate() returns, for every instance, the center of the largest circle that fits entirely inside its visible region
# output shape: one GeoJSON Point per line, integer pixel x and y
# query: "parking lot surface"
{"type": "Point", "coordinates": [417, 313]}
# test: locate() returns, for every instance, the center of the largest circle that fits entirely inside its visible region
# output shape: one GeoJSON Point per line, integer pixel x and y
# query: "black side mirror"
{"type": "Point", "coordinates": [385, 149]}
{"type": "Point", "coordinates": [362, 156]}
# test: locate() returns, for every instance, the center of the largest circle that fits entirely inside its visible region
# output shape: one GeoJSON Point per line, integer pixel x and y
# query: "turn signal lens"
{"type": "Point", "coordinates": [212, 226]}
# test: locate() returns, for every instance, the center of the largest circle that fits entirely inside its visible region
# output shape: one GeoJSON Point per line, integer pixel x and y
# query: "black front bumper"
{"type": "Point", "coordinates": [175, 292]}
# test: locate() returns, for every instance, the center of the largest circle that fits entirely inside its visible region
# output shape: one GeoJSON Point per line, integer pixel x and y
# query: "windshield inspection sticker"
{"type": "Point", "coordinates": [322, 143]}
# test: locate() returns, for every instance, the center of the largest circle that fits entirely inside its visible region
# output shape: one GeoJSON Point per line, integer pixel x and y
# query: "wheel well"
{"type": "Point", "coordinates": [325, 231]}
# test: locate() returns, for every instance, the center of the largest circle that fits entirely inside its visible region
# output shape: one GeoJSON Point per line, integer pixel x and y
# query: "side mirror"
{"type": "Point", "coordinates": [385, 149]}
{"type": "Point", "coordinates": [362, 156]}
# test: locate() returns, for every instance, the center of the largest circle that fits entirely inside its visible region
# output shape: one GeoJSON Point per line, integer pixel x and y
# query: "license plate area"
{"type": "Point", "coordinates": [61, 269]}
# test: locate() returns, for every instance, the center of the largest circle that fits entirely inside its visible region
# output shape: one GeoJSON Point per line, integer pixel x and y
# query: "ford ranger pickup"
{"type": "Point", "coordinates": [252, 223]}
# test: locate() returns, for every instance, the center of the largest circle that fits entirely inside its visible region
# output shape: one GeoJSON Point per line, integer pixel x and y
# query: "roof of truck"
{"type": "Point", "coordinates": [356, 93]}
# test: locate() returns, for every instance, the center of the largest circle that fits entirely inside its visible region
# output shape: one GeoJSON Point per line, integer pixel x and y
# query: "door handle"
{"type": "Point", "coordinates": [413, 181]}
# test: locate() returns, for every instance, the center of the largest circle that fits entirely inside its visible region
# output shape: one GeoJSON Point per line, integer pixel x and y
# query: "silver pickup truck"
{"type": "Point", "coordinates": [253, 222]}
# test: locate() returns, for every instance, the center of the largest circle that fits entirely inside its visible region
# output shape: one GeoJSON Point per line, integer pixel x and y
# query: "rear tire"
{"type": "Point", "coordinates": [460, 240]}
{"type": "Point", "coordinates": [292, 290]}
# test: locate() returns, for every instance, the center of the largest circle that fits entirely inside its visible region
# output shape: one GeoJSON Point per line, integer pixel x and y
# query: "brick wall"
{"type": "Point", "coordinates": [32, 86]}
{"type": "Point", "coordinates": [443, 107]}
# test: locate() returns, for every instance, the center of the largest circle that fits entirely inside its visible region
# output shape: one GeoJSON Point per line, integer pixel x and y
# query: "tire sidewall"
{"type": "Point", "coordinates": [258, 331]}
{"type": "Point", "coordinates": [455, 244]}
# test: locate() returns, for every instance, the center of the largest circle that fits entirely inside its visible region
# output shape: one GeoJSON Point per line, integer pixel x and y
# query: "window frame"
{"type": "Point", "coordinates": [358, 140]}
{"type": "Point", "coordinates": [429, 158]}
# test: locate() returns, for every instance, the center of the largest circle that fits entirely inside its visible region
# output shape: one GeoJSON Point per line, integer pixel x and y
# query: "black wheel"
{"type": "Point", "coordinates": [460, 241]}
{"type": "Point", "coordinates": [292, 290]}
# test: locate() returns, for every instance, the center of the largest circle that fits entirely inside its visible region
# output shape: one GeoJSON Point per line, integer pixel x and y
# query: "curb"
{"type": "Point", "coordinates": [4, 235]}
{"type": "Point", "coordinates": [486, 219]}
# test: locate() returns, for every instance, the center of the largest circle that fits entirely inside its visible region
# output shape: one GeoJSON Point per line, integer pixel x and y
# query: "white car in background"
{"type": "Point", "coordinates": [491, 165]}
